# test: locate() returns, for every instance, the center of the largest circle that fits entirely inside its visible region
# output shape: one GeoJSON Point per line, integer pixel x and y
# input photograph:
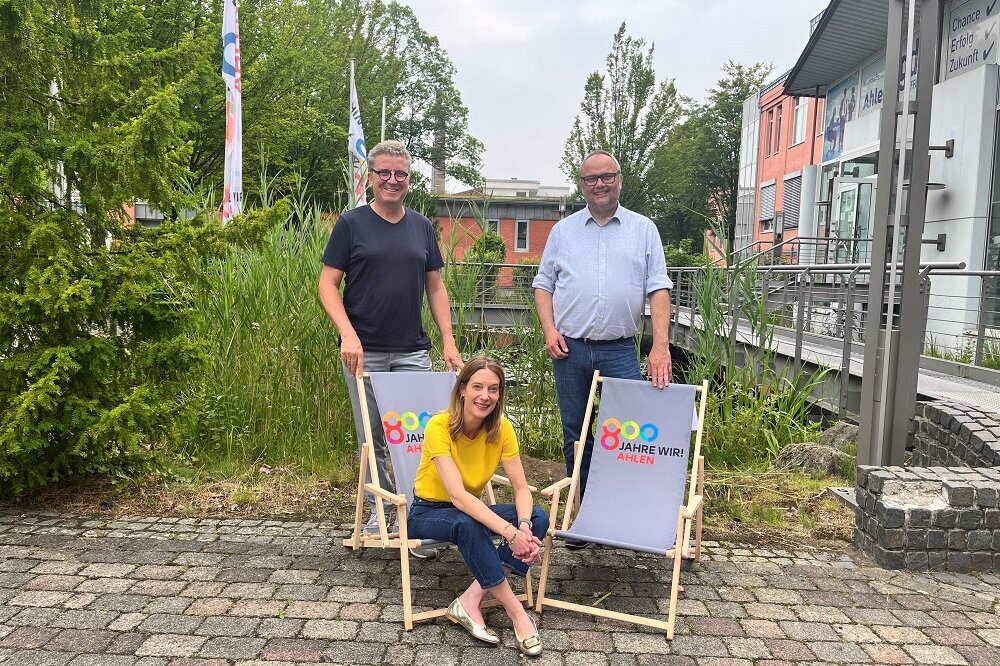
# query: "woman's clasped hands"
{"type": "Point", "coordinates": [523, 544]}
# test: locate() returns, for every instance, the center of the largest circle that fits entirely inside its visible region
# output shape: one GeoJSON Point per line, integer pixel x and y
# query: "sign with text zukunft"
{"type": "Point", "coordinates": [971, 36]}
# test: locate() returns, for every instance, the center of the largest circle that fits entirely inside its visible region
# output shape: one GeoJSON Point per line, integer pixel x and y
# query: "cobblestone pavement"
{"type": "Point", "coordinates": [169, 591]}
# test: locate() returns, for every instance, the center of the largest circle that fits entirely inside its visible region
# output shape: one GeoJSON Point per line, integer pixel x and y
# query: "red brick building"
{"type": "Point", "coordinates": [789, 146]}
{"type": "Point", "coordinates": [524, 223]}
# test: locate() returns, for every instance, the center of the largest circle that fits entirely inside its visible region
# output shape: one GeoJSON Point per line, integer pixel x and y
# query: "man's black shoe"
{"type": "Point", "coordinates": [573, 544]}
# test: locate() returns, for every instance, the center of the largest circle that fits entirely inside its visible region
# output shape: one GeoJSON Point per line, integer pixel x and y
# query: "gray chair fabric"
{"type": "Point", "coordinates": [402, 398]}
{"type": "Point", "coordinates": [639, 467]}
{"type": "Point", "coordinates": [405, 401]}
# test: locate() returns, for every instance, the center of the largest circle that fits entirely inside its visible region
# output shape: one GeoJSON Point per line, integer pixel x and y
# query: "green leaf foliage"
{"type": "Point", "coordinates": [95, 348]}
{"type": "Point", "coordinates": [626, 113]}
{"type": "Point", "coordinates": [696, 172]}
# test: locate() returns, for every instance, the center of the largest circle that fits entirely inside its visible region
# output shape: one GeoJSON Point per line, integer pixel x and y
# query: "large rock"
{"type": "Point", "coordinates": [842, 436]}
{"type": "Point", "coordinates": [814, 457]}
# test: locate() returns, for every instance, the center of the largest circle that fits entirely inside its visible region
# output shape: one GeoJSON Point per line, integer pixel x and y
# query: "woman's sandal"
{"type": "Point", "coordinates": [530, 646]}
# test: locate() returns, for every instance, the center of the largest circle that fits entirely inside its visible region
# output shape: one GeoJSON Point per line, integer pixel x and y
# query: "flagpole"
{"type": "Point", "coordinates": [383, 119]}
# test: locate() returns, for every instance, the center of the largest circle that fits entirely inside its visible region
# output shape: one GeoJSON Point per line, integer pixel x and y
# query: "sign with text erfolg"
{"type": "Point", "coordinates": [971, 36]}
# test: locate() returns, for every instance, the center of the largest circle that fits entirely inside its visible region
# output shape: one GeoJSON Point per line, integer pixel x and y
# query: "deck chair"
{"type": "Point", "coordinates": [406, 400]}
{"type": "Point", "coordinates": [635, 491]}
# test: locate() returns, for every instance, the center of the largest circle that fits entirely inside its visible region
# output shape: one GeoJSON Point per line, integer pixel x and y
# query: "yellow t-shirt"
{"type": "Point", "coordinates": [475, 458]}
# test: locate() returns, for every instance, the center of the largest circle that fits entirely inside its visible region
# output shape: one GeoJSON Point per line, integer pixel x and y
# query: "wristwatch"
{"type": "Point", "coordinates": [524, 520]}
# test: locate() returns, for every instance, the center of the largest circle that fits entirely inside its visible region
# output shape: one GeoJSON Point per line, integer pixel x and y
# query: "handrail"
{"type": "Point", "coordinates": [798, 240]}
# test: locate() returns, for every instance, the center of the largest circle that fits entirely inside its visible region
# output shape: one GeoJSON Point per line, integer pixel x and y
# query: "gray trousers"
{"type": "Point", "coordinates": [419, 361]}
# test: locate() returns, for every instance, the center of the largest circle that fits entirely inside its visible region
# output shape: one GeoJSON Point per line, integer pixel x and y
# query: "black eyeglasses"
{"type": "Point", "coordinates": [607, 178]}
{"type": "Point", "coordinates": [384, 174]}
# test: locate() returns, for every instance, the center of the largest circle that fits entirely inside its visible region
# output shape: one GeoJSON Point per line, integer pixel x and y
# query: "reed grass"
{"type": "Point", "coordinates": [273, 391]}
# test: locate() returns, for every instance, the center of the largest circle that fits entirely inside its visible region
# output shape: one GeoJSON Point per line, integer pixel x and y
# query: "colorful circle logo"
{"type": "Point", "coordinates": [613, 431]}
{"type": "Point", "coordinates": [395, 424]}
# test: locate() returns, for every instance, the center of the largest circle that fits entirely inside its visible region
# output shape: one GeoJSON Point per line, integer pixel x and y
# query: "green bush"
{"type": "Point", "coordinates": [95, 348]}
{"type": "Point", "coordinates": [524, 273]}
{"type": "Point", "coordinates": [483, 257]}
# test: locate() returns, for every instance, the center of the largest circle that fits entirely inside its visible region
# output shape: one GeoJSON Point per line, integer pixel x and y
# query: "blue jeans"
{"type": "Point", "coordinates": [441, 521]}
{"type": "Point", "coordinates": [574, 374]}
{"type": "Point", "coordinates": [380, 362]}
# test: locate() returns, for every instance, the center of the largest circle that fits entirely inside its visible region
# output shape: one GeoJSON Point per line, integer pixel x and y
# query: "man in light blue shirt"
{"type": "Point", "coordinates": [598, 267]}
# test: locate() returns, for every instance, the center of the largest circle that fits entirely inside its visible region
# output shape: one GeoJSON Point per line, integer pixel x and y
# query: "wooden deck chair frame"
{"type": "Point", "coordinates": [400, 540]}
{"type": "Point", "coordinates": [689, 519]}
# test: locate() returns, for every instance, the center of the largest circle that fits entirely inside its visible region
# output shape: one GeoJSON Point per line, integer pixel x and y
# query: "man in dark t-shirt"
{"type": "Point", "coordinates": [389, 257]}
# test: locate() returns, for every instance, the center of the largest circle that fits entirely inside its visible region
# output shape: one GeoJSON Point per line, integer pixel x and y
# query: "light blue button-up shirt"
{"type": "Point", "coordinates": [599, 275]}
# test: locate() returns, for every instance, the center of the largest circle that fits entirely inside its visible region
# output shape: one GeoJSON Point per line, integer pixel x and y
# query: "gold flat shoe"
{"type": "Point", "coordinates": [530, 646]}
{"type": "Point", "coordinates": [456, 613]}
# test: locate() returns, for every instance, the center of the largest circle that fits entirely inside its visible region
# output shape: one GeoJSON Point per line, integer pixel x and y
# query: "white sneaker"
{"type": "Point", "coordinates": [424, 552]}
{"type": "Point", "coordinates": [371, 527]}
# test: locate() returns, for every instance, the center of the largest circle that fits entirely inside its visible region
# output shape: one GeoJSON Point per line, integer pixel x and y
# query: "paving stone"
{"type": "Point", "coordinates": [887, 654]}
{"type": "Point", "coordinates": [287, 649]}
{"type": "Point", "coordinates": [160, 623]}
{"type": "Point", "coordinates": [162, 592]}
{"type": "Point", "coordinates": [232, 648]}
{"type": "Point", "coordinates": [25, 638]}
{"type": "Point", "coordinates": [839, 652]}
{"type": "Point", "coordinates": [934, 654]}
{"type": "Point", "coordinates": [170, 645]}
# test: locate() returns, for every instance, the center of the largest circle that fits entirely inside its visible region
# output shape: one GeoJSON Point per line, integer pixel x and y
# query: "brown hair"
{"type": "Point", "coordinates": [455, 405]}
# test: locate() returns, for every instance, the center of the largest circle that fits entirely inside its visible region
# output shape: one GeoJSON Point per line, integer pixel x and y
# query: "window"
{"type": "Point", "coordinates": [494, 226]}
{"type": "Point", "coordinates": [522, 194]}
{"type": "Point", "coordinates": [777, 132]}
{"type": "Point", "coordinates": [767, 193]}
{"type": "Point", "coordinates": [770, 132]}
{"type": "Point", "coordinates": [799, 120]}
{"type": "Point", "coordinates": [792, 202]}
{"type": "Point", "coordinates": [521, 236]}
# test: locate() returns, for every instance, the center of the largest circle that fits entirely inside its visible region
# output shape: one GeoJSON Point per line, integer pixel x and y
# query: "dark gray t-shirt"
{"type": "Point", "coordinates": [384, 268]}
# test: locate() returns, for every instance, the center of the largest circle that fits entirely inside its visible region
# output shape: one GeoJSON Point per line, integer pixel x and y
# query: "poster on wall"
{"type": "Point", "coordinates": [872, 86]}
{"type": "Point", "coordinates": [841, 108]}
{"type": "Point", "coordinates": [971, 37]}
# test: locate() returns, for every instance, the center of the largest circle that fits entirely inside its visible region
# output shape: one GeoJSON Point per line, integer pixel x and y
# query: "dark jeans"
{"type": "Point", "coordinates": [441, 521]}
{"type": "Point", "coordinates": [574, 374]}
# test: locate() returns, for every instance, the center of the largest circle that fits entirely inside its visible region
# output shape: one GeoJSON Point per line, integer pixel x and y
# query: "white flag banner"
{"type": "Point", "coordinates": [232, 194]}
{"type": "Point", "coordinates": [357, 150]}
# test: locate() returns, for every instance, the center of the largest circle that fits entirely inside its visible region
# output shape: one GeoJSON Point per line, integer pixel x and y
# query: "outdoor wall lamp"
{"type": "Point", "coordinates": [948, 147]}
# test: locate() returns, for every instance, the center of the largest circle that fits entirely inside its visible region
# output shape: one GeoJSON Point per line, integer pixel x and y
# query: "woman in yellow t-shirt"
{"type": "Point", "coordinates": [462, 448]}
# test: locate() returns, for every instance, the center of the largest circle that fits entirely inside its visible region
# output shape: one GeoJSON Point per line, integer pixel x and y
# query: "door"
{"type": "Point", "coordinates": [850, 233]}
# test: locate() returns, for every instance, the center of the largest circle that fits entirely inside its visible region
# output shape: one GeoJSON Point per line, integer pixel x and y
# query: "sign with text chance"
{"type": "Point", "coordinates": [971, 32]}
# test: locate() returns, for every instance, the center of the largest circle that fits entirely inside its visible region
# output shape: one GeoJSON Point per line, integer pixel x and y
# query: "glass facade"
{"type": "Point", "coordinates": [746, 198]}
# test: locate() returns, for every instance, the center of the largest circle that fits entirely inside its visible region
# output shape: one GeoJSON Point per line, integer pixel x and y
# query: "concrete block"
{"type": "Point", "coordinates": [918, 517]}
{"type": "Point", "coordinates": [970, 519]}
{"type": "Point", "coordinates": [958, 494]}
{"type": "Point", "coordinates": [890, 515]}
{"type": "Point", "coordinates": [889, 559]}
{"type": "Point", "coordinates": [986, 493]}
{"type": "Point", "coordinates": [917, 559]}
{"type": "Point", "coordinates": [944, 518]}
{"type": "Point", "coordinates": [937, 560]}
{"type": "Point", "coordinates": [936, 539]}
{"type": "Point", "coordinates": [892, 539]}
{"type": "Point", "coordinates": [959, 562]}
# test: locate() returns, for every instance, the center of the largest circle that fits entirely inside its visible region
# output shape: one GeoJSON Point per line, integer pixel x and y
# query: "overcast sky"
{"type": "Point", "coordinates": [522, 65]}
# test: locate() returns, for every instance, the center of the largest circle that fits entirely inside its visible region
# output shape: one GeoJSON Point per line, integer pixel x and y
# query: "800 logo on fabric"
{"type": "Point", "coordinates": [401, 428]}
{"type": "Point", "coordinates": [634, 442]}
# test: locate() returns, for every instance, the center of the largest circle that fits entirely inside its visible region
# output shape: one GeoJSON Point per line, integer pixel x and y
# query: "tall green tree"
{"type": "Point", "coordinates": [626, 112]}
{"type": "Point", "coordinates": [697, 170]}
